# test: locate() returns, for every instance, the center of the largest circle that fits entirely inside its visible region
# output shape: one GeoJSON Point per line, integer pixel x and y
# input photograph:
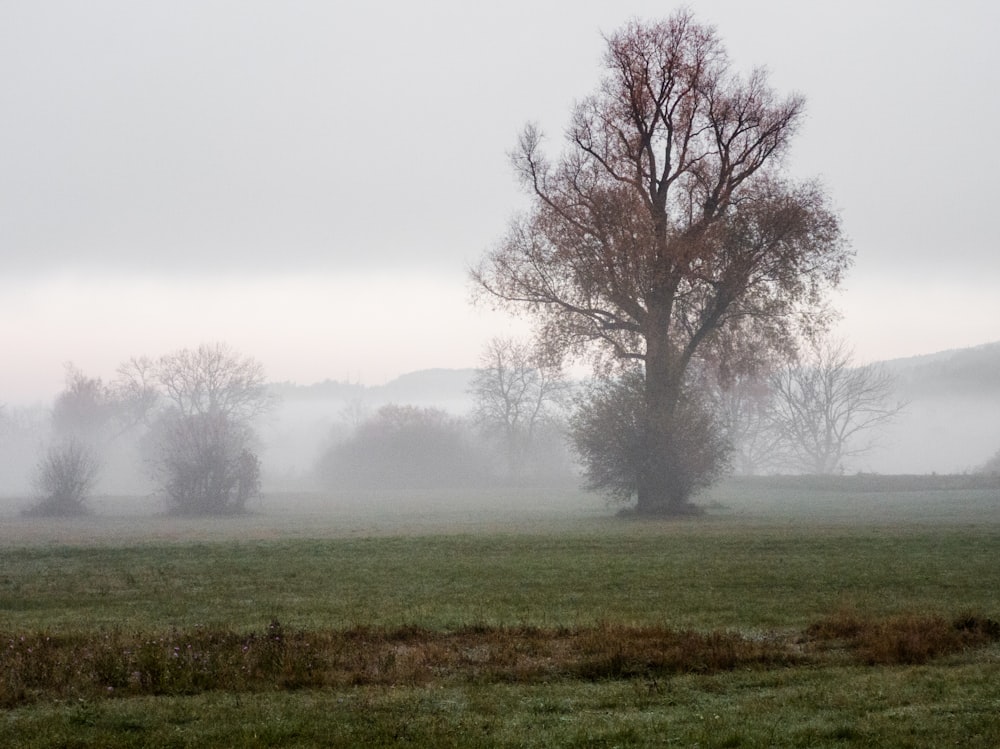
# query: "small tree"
{"type": "Point", "coordinates": [201, 439]}
{"type": "Point", "coordinates": [65, 477]}
{"type": "Point", "coordinates": [205, 465]}
{"type": "Point", "coordinates": [517, 394]}
{"type": "Point", "coordinates": [83, 423]}
{"type": "Point", "coordinates": [826, 408]}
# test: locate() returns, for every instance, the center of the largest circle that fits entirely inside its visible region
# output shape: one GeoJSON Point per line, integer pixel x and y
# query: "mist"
{"type": "Point", "coordinates": [317, 456]}
{"type": "Point", "coordinates": [310, 184]}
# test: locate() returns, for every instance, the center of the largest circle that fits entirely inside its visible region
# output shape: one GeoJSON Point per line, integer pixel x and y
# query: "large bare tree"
{"type": "Point", "coordinates": [667, 226]}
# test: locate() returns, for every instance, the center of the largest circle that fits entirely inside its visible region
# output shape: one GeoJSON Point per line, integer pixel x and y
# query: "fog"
{"type": "Point", "coordinates": [948, 426]}
{"type": "Point", "coordinates": [310, 183]}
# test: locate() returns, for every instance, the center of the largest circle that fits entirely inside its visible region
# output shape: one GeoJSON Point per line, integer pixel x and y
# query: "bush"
{"type": "Point", "coordinates": [65, 477]}
{"type": "Point", "coordinates": [608, 432]}
{"type": "Point", "coordinates": [405, 447]}
{"type": "Point", "coordinates": [992, 465]}
{"type": "Point", "coordinates": [205, 464]}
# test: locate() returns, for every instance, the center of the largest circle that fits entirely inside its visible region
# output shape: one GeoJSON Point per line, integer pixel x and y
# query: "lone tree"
{"type": "Point", "coordinates": [517, 394]}
{"type": "Point", "coordinates": [201, 435]}
{"type": "Point", "coordinates": [667, 227]}
{"type": "Point", "coordinates": [825, 408]}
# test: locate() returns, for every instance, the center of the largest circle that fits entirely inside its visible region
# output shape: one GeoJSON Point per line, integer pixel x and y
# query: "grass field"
{"type": "Point", "coordinates": [791, 614]}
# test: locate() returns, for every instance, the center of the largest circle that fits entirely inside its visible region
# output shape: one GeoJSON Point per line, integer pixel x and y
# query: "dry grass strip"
{"type": "Point", "coordinates": [41, 666]}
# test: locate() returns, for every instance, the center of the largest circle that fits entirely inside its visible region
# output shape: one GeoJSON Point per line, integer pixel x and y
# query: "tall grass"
{"type": "Point", "coordinates": [41, 666]}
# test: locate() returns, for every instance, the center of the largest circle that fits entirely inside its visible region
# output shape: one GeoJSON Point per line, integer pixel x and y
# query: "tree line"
{"type": "Point", "coordinates": [192, 413]}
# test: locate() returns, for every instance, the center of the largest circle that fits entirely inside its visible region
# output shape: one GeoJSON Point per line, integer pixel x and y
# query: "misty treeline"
{"type": "Point", "coordinates": [515, 433]}
{"type": "Point", "coordinates": [181, 424]}
{"type": "Point", "coordinates": [196, 428]}
{"type": "Point", "coordinates": [810, 411]}
{"type": "Point", "coordinates": [186, 427]}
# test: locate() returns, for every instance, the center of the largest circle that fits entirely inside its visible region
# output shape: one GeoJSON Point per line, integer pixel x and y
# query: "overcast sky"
{"type": "Point", "coordinates": [309, 181]}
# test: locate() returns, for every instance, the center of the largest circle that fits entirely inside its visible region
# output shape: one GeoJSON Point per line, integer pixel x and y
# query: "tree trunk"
{"type": "Point", "coordinates": [660, 490]}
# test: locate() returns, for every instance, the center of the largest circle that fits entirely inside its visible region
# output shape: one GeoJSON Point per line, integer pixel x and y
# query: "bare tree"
{"type": "Point", "coordinates": [826, 408]}
{"type": "Point", "coordinates": [205, 463]}
{"type": "Point", "coordinates": [667, 228]}
{"type": "Point", "coordinates": [204, 402]}
{"type": "Point", "coordinates": [517, 394]}
{"type": "Point", "coordinates": [85, 419]}
{"type": "Point", "coordinates": [743, 406]}
{"type": "Point", "coordinates": [213, 379]}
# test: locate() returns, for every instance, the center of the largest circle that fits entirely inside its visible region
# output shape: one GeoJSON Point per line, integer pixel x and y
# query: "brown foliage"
{"type": "Point", "coordinates": [668, 227]}
{"type": "Point", "coordinates": [41, 666]}
{"type": "Point", "coordinates": [907, 638]}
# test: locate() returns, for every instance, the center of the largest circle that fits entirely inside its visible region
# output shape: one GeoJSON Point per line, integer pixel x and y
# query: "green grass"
{"type": "Point", "coordinates": [765, 565]}
{"type": "Point", "coordinates": [924, 706]}
{"type": "Point", "coordinates": [693, 574]}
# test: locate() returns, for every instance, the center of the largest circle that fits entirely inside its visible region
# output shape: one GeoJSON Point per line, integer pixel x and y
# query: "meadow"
{"type": "Point", "coordinates": [856, 612]}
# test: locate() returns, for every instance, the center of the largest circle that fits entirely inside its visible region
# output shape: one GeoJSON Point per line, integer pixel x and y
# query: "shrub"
{"type": "Point", "coordinates": [205, 464]}
{"type": "Point", "coordinates": [65, 477]}
{"type": "Point", "coordinates": [405, 447]}
{"type": "Point", "coordinates": [203, 403]}
{"type": "Point", "coordinates": [992, 465]}
{"type": "Point", "coordinates": [608, 431]}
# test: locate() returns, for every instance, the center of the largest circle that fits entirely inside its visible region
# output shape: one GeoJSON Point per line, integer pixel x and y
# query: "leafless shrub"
{"type": "Point", "coordinates": [65, 476]}
{"type": "Point", "coordinates": [205, 464]}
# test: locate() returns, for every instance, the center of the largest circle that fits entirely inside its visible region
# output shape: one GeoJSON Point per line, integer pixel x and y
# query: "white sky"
{"type": "Point", "coordinates": [308, 180]}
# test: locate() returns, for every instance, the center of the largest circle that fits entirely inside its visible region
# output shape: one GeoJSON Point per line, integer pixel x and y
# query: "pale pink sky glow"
{"type": "Point", "coordinates": [308, 181]}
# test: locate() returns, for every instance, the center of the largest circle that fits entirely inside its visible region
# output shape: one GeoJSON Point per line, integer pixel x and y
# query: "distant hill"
{"type": "Point", "coordinates": [952, 419]}
{"type": "Point", "coordinates": [445, 385]}
{"type": "Point", "coordinates": [951, 423]}
{"type": "Point", "coordinates": [447, 388]}
{"type": "Point", "coordinates": [969, 372]}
